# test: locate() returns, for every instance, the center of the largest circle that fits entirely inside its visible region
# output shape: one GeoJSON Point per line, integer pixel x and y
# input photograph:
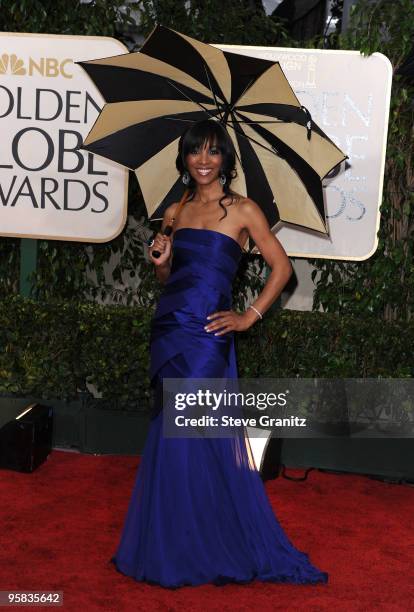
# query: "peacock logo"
{"type": "Point", "coordinates": [41, 66]}
{"type": "Point", "coordinates": [12, 64]}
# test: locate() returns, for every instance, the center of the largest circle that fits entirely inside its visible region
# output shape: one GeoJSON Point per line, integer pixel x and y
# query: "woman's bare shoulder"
{"type": "Point", "coordinates": [246, 205]}
{"type": "Point", "coordinates": [170, 212]}
{"type": "Point", "coordinates": [171, 209]}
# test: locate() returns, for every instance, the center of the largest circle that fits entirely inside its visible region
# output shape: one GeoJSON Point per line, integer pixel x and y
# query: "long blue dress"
{"type": "Point", "coordinates": [199, 512]}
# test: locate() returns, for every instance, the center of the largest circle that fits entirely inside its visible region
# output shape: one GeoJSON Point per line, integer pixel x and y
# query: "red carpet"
{"type": "Point", "coordinates": [61, 524]}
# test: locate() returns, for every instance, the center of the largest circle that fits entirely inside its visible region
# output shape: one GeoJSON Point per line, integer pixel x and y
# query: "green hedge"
{"type": "Point", "coordinates": [52, 350]}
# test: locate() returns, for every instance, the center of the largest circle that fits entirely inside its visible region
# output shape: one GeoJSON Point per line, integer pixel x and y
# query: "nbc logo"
{"type": "Point", "coordinates": [43, 66]}
{"type": "Point", "coordinates": [11, 63]}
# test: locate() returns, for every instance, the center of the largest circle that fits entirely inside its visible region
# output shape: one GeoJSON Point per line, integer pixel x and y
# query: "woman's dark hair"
{"type": "Point", "coordinates": [209, 132]}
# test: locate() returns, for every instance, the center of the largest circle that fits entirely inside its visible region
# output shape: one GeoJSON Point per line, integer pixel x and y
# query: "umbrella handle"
{"type": "Point", "coordinates": [169, 228]}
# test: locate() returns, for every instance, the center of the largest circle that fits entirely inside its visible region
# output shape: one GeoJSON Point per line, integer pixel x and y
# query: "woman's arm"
{"type": "Point", "coordinates": [163, 244]}
{"type": "Point", "coordinates": [253, 219]}
{"type": "Point", "coordinates": [273, 253]}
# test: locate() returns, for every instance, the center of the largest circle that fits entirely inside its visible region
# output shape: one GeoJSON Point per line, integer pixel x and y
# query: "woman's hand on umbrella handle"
{"type": "Point", "coordinates": [162, 244]}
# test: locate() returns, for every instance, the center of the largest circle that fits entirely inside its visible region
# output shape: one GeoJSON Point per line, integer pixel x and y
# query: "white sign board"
{"type": "Point", "coordinates": [49, 188]}
{"type": "Point", "coordinates": [348, 96]}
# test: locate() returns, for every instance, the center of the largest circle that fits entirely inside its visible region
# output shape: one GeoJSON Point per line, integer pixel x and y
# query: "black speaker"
{"type": "Point", "coordinates": [25, 436]}
{"type": "Point", "coordinates": [272, 459]}
{"type": "Point", "coordinates": [267, 452]}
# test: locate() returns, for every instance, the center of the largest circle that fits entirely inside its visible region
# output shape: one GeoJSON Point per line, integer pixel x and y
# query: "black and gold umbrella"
{"type": "Point", "coordinates": [153, 95]}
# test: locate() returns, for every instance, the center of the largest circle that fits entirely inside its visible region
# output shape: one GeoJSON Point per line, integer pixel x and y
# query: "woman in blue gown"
{"type": "Point", "coordinates": [199, 512]}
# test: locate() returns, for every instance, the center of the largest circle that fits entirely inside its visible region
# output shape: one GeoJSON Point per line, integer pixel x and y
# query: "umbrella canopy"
{"type": "Point", "coordinates": [152, 97]}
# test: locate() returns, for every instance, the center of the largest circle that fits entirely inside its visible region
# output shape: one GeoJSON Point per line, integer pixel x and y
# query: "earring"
{"type": "Point", "coordinates": [223, 179]}
{"type": "Point", "coordinates": [185, 178]}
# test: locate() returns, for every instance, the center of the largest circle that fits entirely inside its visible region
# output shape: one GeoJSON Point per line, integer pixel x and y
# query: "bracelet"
{"type": "Point", "coordinates": [255, 309]}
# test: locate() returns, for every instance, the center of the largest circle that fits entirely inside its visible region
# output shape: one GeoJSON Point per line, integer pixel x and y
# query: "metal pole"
{"type": "Point", "coordinates": [28, 264]}
{"type": "Point", "coordinates": [345, 14]}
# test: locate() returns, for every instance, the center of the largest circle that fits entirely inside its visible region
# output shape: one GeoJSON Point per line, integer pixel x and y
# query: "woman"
{"type": "Point", "coordinates": [199, 512]}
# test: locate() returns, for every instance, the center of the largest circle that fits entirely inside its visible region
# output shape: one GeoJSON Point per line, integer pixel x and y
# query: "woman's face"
{"type": "Point", "coordinates": [204, 164]}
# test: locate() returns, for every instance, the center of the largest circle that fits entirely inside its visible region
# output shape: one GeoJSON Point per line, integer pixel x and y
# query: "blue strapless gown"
{"type": "Point", "coordinates": [199, 512]}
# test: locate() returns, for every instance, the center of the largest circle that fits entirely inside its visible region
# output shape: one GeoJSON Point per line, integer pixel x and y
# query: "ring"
{"type": "Point", "coordinates": [151, 242]}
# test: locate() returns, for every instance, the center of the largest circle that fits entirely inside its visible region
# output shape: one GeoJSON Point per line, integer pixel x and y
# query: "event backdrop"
{"type": "Point", "coordinates": [48, 187]}
{"type": "Point", "coordinates": [348, 96]}
{"type": "Point", "coordinates": [51, 189]}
